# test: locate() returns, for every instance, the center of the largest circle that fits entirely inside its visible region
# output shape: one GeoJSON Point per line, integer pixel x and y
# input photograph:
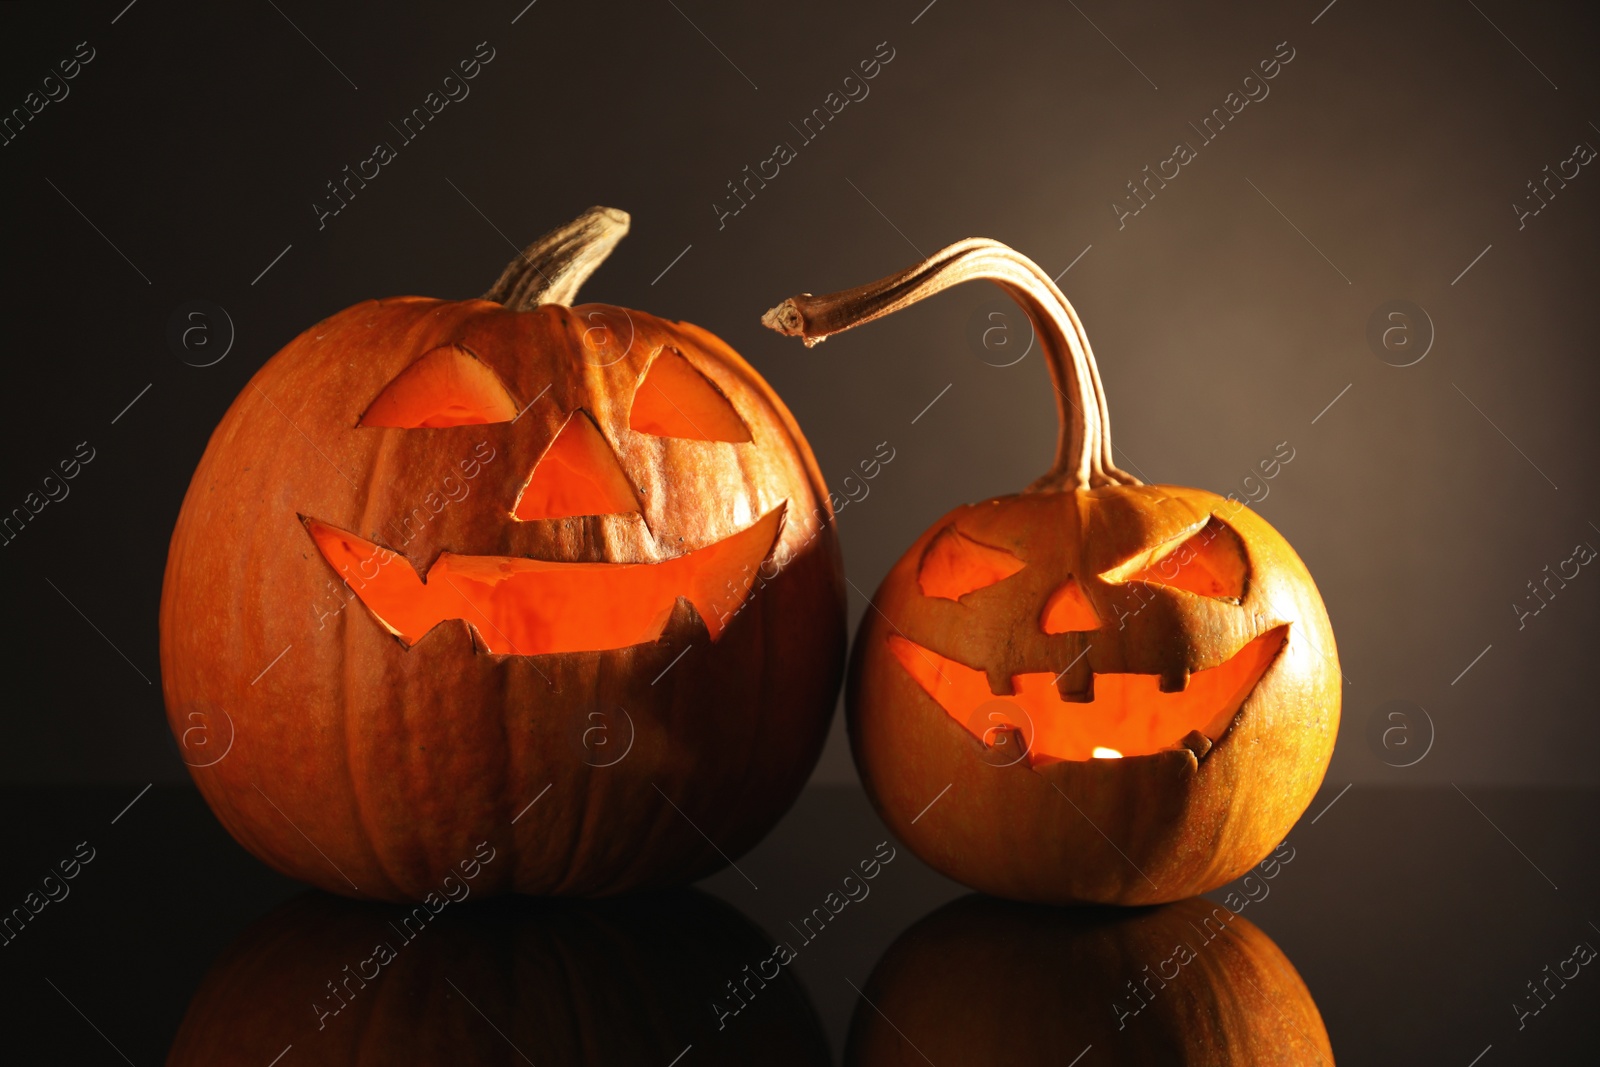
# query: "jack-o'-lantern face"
{"type": "Point", "coordinates": [524, 606]}
{"type": "Point", "coordinates": [1094, 673]}
{"type": "Point", "coordinates": [1108, 648]}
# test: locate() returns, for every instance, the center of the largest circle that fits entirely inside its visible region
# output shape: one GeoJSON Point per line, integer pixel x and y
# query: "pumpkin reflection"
{"type": "Point", "coordinates": [985, 981]}
{"type": "Point", "coordinates": [509, 981]}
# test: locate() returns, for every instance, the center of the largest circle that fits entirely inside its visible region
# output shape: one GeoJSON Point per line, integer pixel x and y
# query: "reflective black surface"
{"type": "Point", "coordinates": [1416, 919]}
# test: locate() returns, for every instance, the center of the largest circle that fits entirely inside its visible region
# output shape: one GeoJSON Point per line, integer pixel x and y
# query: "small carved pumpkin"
{"type": "Point", "coordinates": [1115, 692]}
{"type": "Point", "coordinates": [563, 579]}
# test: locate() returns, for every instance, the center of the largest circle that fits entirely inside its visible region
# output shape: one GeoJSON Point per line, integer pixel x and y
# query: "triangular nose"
{"type": "Point", "coordinates": [1068, 610]}
{"type": "Point", "coordinates": [577, 475]}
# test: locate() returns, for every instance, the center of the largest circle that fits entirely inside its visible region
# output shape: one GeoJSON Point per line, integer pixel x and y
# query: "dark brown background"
{"type": "Point", "coordinates": [1396, 142]}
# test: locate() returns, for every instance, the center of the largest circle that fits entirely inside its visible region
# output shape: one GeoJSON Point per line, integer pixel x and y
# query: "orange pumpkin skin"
{"type": "Point", "coordinates": [984, 981]}
{"type": "Point", "coordinates": [1184, 823]}
{"type": "Point", "coordinates": [626, 981]}
{"type": "Point", "coordinates": [1096, 690]}
{"type": "Point", "coordinates": [370, 768]}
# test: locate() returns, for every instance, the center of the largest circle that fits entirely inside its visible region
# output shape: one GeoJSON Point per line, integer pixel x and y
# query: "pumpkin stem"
{"type": "Point", "coordinates": [1083, 448]}
{"type": "Point", "coordinates": [551, 270]}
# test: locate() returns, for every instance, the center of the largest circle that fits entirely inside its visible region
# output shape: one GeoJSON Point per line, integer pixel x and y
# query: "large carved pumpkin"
{"type": "Point", "coordinates": [559, 579]}
{"type": "Point", "coordinates": [985, 982]}
{"type": "Point", "coordinates": [509, 982]}
{"type": "Point", "coordinates": [1095, 690]}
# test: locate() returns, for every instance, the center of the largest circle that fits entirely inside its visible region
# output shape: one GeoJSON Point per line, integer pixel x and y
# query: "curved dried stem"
{"type": "Point", "coordinates": [551, 270]}
{"type": "Point", "coordinates": [1083, 447]}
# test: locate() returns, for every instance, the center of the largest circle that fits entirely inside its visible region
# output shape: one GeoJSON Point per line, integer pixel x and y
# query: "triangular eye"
{"type": "Point", "coordinates": [954, 565]}
{"type": "Point", "coordinates": [448, 386]}
{"type": "Point", "coordinates": [1068, 610]}
{"type": "Point", "coordinates": [577, 475]}
{"type": "Point", "coordinates": [1209, 561]}
{"type": "Point", "coordinates": [675, 400]}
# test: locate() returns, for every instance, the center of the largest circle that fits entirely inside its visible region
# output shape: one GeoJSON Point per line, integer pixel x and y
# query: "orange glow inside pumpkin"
{"type": "Point", "coordinates": [577, 475]}
{"type": "Point", "coordinates": [675, 400]}
{"type": "Point", "coordinates": [530, 607]}
{"type": "Point", "coordinates": [1208, 560]}
{"type": "Point", "coordinates": [1129, 715]}
{"type": "Point", "coordinates": [1068, 610]}
{"type": "Point", "coordinates": [447, 386]}
{"type": "Point", "coordinates": [954, 565]}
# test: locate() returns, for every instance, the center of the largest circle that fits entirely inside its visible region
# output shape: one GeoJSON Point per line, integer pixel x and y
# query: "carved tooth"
{"type": "Point", "coordinates": [1006, 737]}
{"type": "Point", "coordinates": [1196, 742]}
{"type": "Point", "coordinates": [1174, 681]}
{"type": "Point", "coordinates": [1076, 687]}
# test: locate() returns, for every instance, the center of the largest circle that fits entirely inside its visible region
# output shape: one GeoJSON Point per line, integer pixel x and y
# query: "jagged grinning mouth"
{"type": "Point", "coordinates": [529, 607]}
{"type": "Point", "coordinates": [1128, 716]}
